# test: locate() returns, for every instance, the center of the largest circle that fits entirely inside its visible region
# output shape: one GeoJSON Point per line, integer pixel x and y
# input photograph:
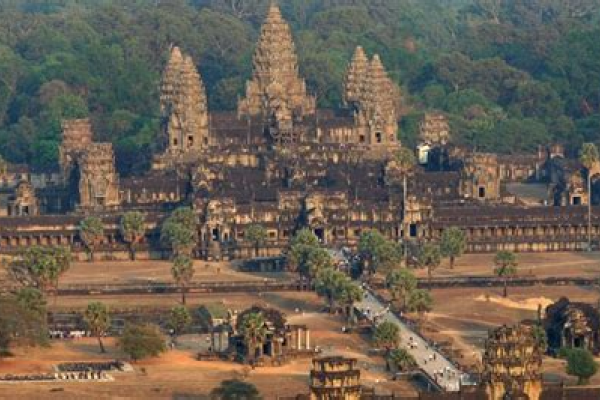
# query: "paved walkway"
{"type": "Point", "coordinates": [428, 359]}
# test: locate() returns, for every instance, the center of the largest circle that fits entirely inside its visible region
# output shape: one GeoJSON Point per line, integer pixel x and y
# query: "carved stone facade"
{"type": "Point", "coordinates": [276, 91]}
{"type": "Point", "coordinates": [434, 129]}
{"type": "Point", "coordinates": [98, 182]}
{"type": "Point", "coordinates": [335, 378]}
{"type": "Point", "coordinates": [183, 106]}
{"type": "Point", "coordinates": [572, 325]}
{"type": "Point", "coordinates": [512, 364]}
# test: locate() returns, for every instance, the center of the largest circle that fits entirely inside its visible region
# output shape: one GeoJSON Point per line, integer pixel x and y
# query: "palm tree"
{"type": "Point", "coordinates": [132, 229]}
{"type": "Point", "coordinates": [400, 283]}
{"type": "Point", "coordinates": [430, 258]}
{"type": "Point", "coordinates": [453, 244]}
{"type": "Point", "coordinates": [402, 360]}
{"type": "Point", "coordinates": [589, 157]}
{"type": "Point", "coordinates": [506, 266]}
{"type": "Point", "coordinates": [406, 161]}
{"type": "Point", "coordinates": [254, 332]}
{"type": "Point", "coordinates": [183, 273]}
{"type": "Point", "coordinates": [257, 235]}
{"type": "Point", "coordinates": [97, 318]}
{"type": "Point", "coordinates": [91, 232]}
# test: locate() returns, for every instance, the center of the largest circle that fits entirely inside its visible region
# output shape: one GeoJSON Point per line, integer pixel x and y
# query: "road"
{"type": "Point", "coordinates": [422, 353]}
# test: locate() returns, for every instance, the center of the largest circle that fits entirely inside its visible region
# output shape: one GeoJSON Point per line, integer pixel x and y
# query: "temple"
{"type": "Point", "coordinates": [281, 162]}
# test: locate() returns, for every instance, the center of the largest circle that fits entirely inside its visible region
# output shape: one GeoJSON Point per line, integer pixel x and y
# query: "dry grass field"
{"type": "Point", "coordinates": [178, 373]}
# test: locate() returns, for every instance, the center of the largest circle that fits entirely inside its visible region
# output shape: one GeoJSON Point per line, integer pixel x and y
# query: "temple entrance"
{"type": "Point", "coordinates": [576, 200]}
{"type": "Point", "coordinates": [413, 230]}
{"type": "Point", "coordinates": [216, 235]}
{"type": "Point", "coordinates": [482, 192]}
{"type": "Point", "coordinates": [320, 234]}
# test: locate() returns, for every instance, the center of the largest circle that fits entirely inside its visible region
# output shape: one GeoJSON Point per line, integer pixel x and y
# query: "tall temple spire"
{"type": "Point", "coordinates": [183, 105]}
{"type": "Point", "coordinates": [376, 106]}
{"type": "Point", "coordinates": [276, 87]}
{"type": "Point", "coordinates": [356, 74]}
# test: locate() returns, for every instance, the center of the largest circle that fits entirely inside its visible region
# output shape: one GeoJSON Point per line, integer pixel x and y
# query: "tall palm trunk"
{"type": "Point", "coordinates": [589, 229]}
{"type": "Point", "coordinates": [429, 276]}
{"type": "Point", "coordinates": [102, 349]}
{"type": "Point", "coordinates": [183, 299]}
{"type": "Point", "coordinates": [505, 294]}
{"type": "Point", "coordinates": [404, 235]}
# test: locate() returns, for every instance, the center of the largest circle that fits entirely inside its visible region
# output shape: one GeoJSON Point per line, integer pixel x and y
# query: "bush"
{"type": "Point", "coordinates": [142, 341]}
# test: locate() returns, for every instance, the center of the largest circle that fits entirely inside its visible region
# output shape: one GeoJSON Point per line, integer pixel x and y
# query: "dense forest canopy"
{"type": "Point", "coordinates": [510, 74]}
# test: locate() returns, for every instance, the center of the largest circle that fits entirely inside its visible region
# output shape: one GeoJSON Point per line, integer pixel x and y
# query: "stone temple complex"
{"type": "Point", "coordinates": [281, 162]}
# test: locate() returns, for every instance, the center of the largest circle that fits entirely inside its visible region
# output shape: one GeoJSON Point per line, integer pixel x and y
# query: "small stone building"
{"type": "Point", "coordinates": [335, 378]}
{"type": "Point", "coordinates": [572, 325]}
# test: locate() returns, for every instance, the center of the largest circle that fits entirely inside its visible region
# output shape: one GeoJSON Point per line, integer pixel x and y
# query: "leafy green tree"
{"type": "Point", "coordinates": [179, 319]}
{"type": "Point", "coordinates": [589, 157]}
{"type": "Point", "coordinates": [317, 259]}
{"type": "Point", "coordinates": [419, 301]}
{"type": "Point", "coordinates": [387, 335]}
{"type": "Point", "coordinates": [581, 363]}
{"type": "Point", "coordinates": [179, 231]}
{"type": "Point", "coordinates": [32, 299]}
{"type": "Point", "coordinates": [233, 389]}
{"type": "Point", "coordinates": [369, 246]}
{"type": "Point", "coordinates": [388, 256]}
{"type": "Point", "coordinates": [350, 294]}
{"type": "Point", "coordinates": [254, 332]}
{"type": "Point", "coordinates": [40, 267]}
{"type": "Point", "coordinates": [257, 235]}
{"type": "Point", "coordinates": [142, 341]}
{"type": "Point", "coordinates": [402, 360]}
{"type": "Point", "coordinates": [133, 229]}
{"type": "Point", "coordinates": [91, 233]}
{"type": "Point", "coordinates": [97, 319]}
{"type": "Point", "coordinates": [183, 273]}
{"type": "Point", "coordinates": [453, 244]}
{"type": "Point", "coordinates": [331, 283]}
{"type": "Point", "coordinates": [401, 283]}
{"type": "Point", "coordinates": [303, 242]}
{"type": "Point", "coordinates": [20, 325]}
{"type": "Point", "coordinates": [430, 257]}
{"type": "Point", "coordinates": [505, 267]}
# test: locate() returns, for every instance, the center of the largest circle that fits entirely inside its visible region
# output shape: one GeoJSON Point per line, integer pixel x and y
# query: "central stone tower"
{"type": "Point", "coordinates": [276, 92]}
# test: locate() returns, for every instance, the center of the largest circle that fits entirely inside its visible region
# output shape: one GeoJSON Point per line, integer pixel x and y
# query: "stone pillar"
{"type": "Point", "coordinates": [307, 339]}
{"type": "Point", "coordinates": [299, 338]}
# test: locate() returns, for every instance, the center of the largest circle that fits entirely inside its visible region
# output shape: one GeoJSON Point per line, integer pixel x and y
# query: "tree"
{"type": "Point", "coordinates": [257, 235]}
{"type": "Point", "coordinates": [133, 229]}
{"type": "Point", "coordinates": [419, 301]}
{"type": "Point", "coordinates": [233, 389]}
{"type": "Point", "coordinates": [349, 294]}
{"type": "Point", "coordinates": [430, 258]}
{"type": "Point", "coordinates": [401, 283]}
{"type": "Point", "coordinates": [32, 299]}
{"type": "Point", "coordinates": [453, 244]}
{"type": "Point", "coordinates": [97, 318]}
{"type": "Point", "coordinates": [369, 246]}
{"type": "Point", "coordinates": [317, 259]}
{"type": "Point", "coordinates": [406, 161]}
{"type": "Point", "coordinates": [388, 256]}
{"type": "Point", "coordinates": [179, 231]}
{"type": "Point", "coordinates": [581, 363]}
{"type": "Point", "coordinates": [254, 332]}
{"type": "Point", "coordinates": [330, 283]}
{"type": "Point", "coordinates": [589, 157]}
{"type": "Point", "coordinates": [303, 242]}
{"type": "Point", "coordinates": [91, 232]}
{"type": "Point", "coordinates": [387, 334]}
{"type": "Point", "coordinates": [40, 267]}
{"type": "Point", "coordinates": [506, 267]}
{"type": "Point", "coordinates": [179, 319]}
{"type": "Point", "coordinates": [183, 273]}
{"type": "Point", "coordinates": [402, 360]}
{"type": "Point", "coordinates": [142, 341]}
{"type": "Point", "coordinates": [21, 325]}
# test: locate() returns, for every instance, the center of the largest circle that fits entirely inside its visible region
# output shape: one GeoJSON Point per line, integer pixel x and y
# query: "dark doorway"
{"type": "Point", "coordinates": [413, 230]}
{"type": "Point", "coordinates": [576, 201]}
{"type": "Point", "coordinates": [482, 192]}
{"type": "Point", "coordinates": [320, 234]}
{"type": "Point", "coordinates": [216, 235]}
